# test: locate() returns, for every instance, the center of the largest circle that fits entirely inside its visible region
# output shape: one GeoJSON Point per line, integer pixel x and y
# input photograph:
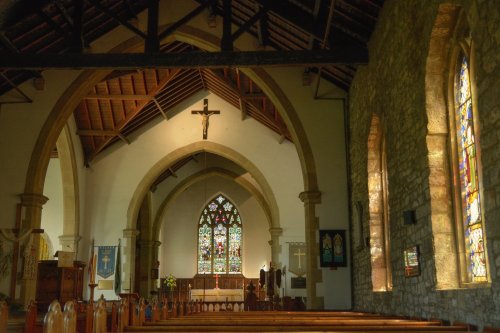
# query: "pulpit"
{"type": "Point", "coordinates": [61, 283]}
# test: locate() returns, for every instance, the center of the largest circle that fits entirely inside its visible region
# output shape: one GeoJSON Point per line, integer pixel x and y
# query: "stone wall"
{"type": "Point", "coordinates": [393, 86]}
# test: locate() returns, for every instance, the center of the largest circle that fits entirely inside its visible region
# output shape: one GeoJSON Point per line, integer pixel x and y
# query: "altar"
{"type": "Point", "coordinates": [218, 295]}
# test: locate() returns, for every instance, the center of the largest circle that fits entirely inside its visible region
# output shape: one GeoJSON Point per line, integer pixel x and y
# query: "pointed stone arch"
{"type": "Point", "coordinates": [70, 99]}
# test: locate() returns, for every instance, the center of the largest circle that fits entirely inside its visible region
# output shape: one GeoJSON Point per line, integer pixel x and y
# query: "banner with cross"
{"type": "Point", "coordinates": [105, 261]}
{"type": "Point", "coordinates": [297, 258]}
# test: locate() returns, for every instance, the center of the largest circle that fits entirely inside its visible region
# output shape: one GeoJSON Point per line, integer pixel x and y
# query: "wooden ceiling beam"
{"type": "Point", "coordinates": [120, 97]}
{"type": "Point", "coordinates": [152, 44]}
{"type": "Point", "coordinates": [168, 31]}
{"type": "Point", "coordinates": [249, 23]}
{"type": "Point", "coordinates": [123, 61]}
{"type": "Point", "coordinates": [131, 115]}
{"type": "Point", "coordinates": [121, 21]}
{"type": "Point", "coordinates": [226, 43]}
{"type": "Point", "coordinates": [91, 132]}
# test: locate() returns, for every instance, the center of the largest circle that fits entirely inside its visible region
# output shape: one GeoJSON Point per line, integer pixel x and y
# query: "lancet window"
{"type": "Point", "coordinates": [466, 170]}
{"type": "Point", "coordinates": [220, 238]}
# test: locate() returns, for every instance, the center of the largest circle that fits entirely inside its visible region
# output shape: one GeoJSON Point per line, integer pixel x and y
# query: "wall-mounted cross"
{"type": "Point", "coordinates": [205, 114]}
{"type": "Point", "coordinates": [299, 254]}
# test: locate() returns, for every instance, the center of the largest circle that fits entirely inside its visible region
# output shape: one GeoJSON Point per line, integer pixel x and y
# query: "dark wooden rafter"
{"type": "Point", "coordinates": [77, 42]}
{"type": "Point", "coordinates": [64, 12]}
{"type": "Point", "coordinates": [249, 23]}
{"type": "Point", "coordinates": [197, 11]}
{"type": "Point", "coordinates": [171, 171]}
{"type": "Point", "coordinates": [263, 27]}
{"type": "Point", "coordinates": [227, 38]}
{"type": "Point", "coordinates": [121, 21]}
{"type": "Point", "coordinates": [152, 44]}
{"type": "Point", "coordinates": [122, 61]}
{"type": "Point", "coordinates": [53, 25]}
{"type": "Point", "coordinates": [130, 116]}
{"type": "Point", "coordinates": [229, 90]}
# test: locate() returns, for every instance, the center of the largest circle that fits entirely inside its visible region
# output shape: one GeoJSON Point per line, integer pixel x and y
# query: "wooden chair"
{"type": "Point", "coordinates": [123, 314]}
{"type": "Point", "coordinates": [31, 314]}
{"type": "Point", "coordinates": [155, 311]}
{"type": "Point", "coordinates": [53, 321]}
{"type": "Point", "coordinates": [164, 309]}
{"type": "Point", "coordinates": [174, 309]}
{"type": "Point", "coordinates": [142, 312]}
{"type": "Point", "coordinates": [69, 317]}
{"type": "Point", "coordinates": [100, 317]}
{"type": "Point", "coordinates": [114, 318]}
{"type": "Point", "coordinates": [4, 316]}
{"type": "Point", "coordinates": [89, 317]}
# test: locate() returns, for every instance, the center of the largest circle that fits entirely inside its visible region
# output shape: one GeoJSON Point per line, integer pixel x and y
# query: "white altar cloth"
{"type": "Point", "coordinates": [218, 295]}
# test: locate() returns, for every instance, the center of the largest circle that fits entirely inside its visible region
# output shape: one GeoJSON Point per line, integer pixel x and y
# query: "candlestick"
{"type": "Point", "coordinates": [93, 270]}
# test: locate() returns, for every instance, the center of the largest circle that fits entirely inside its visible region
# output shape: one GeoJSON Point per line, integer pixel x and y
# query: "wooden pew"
{"type": "Point", "coordinates": [53, 321]}
{"type": "Point", "coordinates": [69, 317]}
{"type": "Point", "coordinates": [100, 317]}
{"type": "Point", "coordinates": [123, 314]}
{"type": "Point", "coordinates": [273, 321]}
{"type": "Point", "coordinates": [31, 315]}
{"type": "Point", "coordinates": [4, 316]}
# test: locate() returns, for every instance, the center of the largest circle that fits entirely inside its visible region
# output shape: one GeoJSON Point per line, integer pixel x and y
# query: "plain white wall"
{"type": "Point", "coordinates": [323, 120]}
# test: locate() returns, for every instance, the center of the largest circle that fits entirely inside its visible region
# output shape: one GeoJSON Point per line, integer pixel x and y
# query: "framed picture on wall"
{"type": "Point", "coordinates": [412, 261]}
{"type": "Point", "coordinates": [332, 248]}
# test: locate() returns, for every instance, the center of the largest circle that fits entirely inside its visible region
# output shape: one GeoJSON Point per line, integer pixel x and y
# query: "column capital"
{"type": "Point", "coordinates": [310, 197]}
{"type": "Point", "coordinates": [130, 233]}
{"type": "Point", "coordinates": [147, 242]}
{"type": "Point", "coordinates": [69, 238]}
{"type": "Point", "coordinates": [33, 199]}
{"type": "Point", "coordinates": [275, 232]}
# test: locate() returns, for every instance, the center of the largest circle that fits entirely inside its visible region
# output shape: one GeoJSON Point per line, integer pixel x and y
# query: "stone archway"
{"type": "Point", "coordinates": [153, 242]}
{"type": "Point", "coordinates": [437, 139]}
{"type": "Point", "coordinates": [71, 203]}
{"type": "Point", "coordinates": [77, 90]}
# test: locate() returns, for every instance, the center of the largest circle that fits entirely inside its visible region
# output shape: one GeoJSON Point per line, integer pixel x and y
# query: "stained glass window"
{"type": "Point", "coordinates": [219, 238]}
{"type": "Point", "coordinates": [468, 172]}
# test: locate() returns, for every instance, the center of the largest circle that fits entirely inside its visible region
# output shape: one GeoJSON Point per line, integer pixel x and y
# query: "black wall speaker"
{"type": "Point", "coordinates": [409, 217]}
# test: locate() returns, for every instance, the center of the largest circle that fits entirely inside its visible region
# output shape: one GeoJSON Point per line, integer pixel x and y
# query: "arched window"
{"type": "Point", "coordinates": [466, 170]}
{"type": "Point", "coordinates": [378, 190]}
{"type": "Point", "coordinates": [219, 238]}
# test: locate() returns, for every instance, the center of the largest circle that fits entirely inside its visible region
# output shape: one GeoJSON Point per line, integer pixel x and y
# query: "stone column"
{"type": "Point", "coordinates": [145, 269]}
{"type": "Point", "coordinates": [155, 249]}
{"type": "Point", "coordinates": [313, 274]}
{"type": "Point", "coordinates": [32, 204]}
{"type": "Point", "coordinates": [128, 264]}
{"type": "Point", "coordinates": [69, 243]}
{"type": "Point", "coordinates": [275, 246]}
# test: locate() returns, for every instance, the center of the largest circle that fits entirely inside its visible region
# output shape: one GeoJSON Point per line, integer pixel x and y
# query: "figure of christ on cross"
{"type": "Point", "coordinates": [205, 114]}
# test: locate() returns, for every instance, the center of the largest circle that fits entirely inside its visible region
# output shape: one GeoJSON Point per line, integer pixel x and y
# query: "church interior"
{"type": "Point", "coordinates": [326, 165]}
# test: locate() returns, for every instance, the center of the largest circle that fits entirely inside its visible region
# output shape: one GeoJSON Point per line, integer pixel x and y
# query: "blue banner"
{"type": "Point", "coordinates": [105, 261]}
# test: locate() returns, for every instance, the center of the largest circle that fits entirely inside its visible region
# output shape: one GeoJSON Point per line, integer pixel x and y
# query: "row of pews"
{"type": "Point", "coordinates": [141, 317]}
{"type": "Point", "coordinates": [283, 321]}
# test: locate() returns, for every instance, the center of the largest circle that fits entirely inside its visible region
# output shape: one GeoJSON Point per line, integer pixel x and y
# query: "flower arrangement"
{"type": "Point", "coordinates": [170, 282]}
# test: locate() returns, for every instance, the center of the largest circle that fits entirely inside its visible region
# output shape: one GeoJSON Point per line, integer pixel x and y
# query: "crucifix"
{"type": "Point", "coordinates": [105, 260]}
{"type": "Point", "coordinates": [205, 114]}
{"type": "Point", "coordinates": [299, 254]}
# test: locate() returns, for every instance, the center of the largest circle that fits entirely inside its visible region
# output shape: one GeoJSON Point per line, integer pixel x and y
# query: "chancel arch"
{"type": "Point", "coordinates": [69, 100]}
{"type": "Point", "coordinates": [154, 235]}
